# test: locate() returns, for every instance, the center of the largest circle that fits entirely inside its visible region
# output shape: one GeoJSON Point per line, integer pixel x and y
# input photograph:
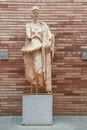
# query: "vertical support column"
{"type": "Point", "coordinates": [48, 71]}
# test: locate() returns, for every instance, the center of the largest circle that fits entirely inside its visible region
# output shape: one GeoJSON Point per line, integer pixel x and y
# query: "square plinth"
{"type": "Point", "coordinates": [37, 109]}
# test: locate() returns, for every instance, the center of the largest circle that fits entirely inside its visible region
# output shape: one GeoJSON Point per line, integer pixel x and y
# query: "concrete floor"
{"type": "Point", "coordinates": [59, 123]}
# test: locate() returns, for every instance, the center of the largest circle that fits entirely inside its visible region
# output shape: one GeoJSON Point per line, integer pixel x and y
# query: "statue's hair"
{"type": "Point", "coordinates": [34, 8]}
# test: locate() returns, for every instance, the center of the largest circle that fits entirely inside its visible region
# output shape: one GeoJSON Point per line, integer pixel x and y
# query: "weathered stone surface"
{"type": "Point", "coordinates": [37, 110]}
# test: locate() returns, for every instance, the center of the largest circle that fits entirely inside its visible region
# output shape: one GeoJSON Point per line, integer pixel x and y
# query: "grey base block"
{"type": "Point", "coordinates": [37, 109]}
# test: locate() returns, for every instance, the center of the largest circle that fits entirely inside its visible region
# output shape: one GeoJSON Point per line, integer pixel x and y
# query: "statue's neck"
{"type": "Point", "coordinates": [35, 21]}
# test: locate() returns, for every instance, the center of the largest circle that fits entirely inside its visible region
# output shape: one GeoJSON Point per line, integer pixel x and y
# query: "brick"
{"type": "Point", "coordinates": [68, 21]}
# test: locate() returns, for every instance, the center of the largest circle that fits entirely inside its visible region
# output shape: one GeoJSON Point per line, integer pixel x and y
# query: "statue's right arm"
{"type": "Point", "coordinates": [28, 32]}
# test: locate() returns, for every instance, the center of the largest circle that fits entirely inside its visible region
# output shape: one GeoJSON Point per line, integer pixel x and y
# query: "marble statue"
{"type": "Point", "coordinates": [38, 52]}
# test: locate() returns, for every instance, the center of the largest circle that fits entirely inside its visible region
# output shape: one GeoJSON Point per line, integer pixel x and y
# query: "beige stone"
{"type": "Point", "coordinates": [38, 52]}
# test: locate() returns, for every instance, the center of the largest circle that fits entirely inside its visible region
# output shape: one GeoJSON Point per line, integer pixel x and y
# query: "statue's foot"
{"type": "Point", "coordinates": [49, 92]}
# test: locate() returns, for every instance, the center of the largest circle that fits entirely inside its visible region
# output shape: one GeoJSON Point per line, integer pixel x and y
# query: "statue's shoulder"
{"type": "Point", "coordinates": [43, 23]}
{"type": "Point", "coordinates": [28, 24]}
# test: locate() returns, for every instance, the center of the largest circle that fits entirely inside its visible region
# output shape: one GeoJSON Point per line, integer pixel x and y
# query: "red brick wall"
{"type": "Point", "coordinates": [68, 21]}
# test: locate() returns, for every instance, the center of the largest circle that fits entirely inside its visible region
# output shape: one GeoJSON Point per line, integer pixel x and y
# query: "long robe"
{"type": "Point", "coordinates": [34, 53]}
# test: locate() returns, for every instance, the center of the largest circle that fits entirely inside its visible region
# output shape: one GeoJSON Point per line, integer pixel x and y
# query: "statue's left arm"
{"type": "Point", "coordinates": [51, 40]}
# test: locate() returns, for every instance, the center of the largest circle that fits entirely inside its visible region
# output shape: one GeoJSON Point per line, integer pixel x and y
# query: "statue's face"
{"type": "Point", "coordinates": [35, 14]}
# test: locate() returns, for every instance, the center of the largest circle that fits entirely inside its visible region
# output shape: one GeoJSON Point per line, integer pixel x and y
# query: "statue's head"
{"type": "Point", "coordinates": [34, 12]}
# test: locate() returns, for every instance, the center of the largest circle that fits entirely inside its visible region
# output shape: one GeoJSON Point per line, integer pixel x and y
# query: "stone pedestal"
{"type": "Point", "coordinates": [37, 109]}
